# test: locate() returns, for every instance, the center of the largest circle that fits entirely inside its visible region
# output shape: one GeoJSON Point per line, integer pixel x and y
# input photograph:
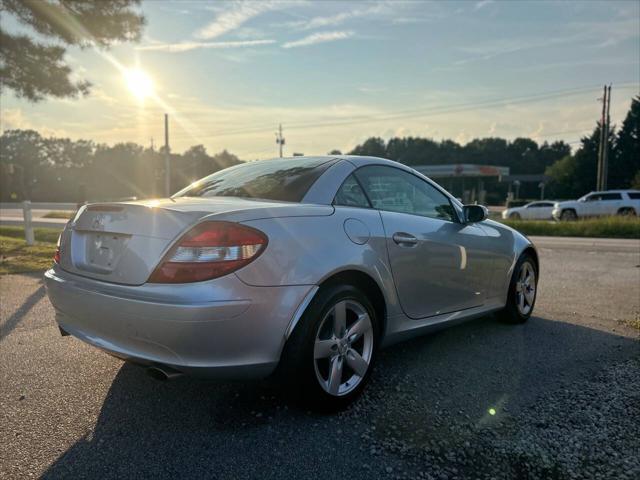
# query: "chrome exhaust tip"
{"type": "Point", "coordinates": [163, 373]}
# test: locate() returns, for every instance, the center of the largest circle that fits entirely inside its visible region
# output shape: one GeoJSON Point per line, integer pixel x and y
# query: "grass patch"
{"type": "Point", "coordinates": [56, 214]}
{"type": "Point", "coordinates": [633, 323]}
{"type": "Point", "coordinates": [605, 227]}
{"type": "Point", "coordinates": [17, 257]}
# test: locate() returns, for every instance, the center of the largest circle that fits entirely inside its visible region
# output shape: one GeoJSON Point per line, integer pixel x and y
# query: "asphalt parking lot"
{"type": "Point", "coordinates": [558, 397]}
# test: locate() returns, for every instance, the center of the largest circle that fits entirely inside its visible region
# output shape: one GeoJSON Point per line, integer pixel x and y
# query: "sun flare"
{"type": "Point", "coordinates": [139, 83]}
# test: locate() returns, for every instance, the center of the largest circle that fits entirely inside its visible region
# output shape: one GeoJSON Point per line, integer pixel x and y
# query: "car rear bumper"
{"type": "Point", "coordinates": [219, 328]}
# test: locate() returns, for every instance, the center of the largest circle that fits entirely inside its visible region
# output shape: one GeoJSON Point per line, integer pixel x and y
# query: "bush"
{"type": "Point", "coordinates": [605, 227]}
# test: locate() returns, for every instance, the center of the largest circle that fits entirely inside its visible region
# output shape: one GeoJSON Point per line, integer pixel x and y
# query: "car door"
{"type": "Point", "coordinates": [544, 211]}
{"type": "Point", "coordinates": [610, 203]}
{"type": "Point", "coordinates": [530, 211]}
{"type": "Point", "coordinates": [438, 264]}
{"type": "Point", "coordinates": [592, 206]}
{"type": "Point", "coordinates": [540, 210]}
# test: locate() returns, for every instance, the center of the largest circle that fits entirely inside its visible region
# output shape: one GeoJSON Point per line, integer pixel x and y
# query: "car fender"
{"type": "Point", "coordinates": [310, 250]}
{"type": "Point", "coordinates": [507, 245]}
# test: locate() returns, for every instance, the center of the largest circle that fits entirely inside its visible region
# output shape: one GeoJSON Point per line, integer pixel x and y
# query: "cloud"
{"type": "Point", "coordinates": [497, 48]}
{"type": "Point", "coordinates": [483, 3]}
{"type": "Point", "coordinates": [320, 37]}
{"type": "Point", "coordinates": [15, 119]}
{"type": "Point", "coordinates": [229, 20]}
{"type": "Point", "coordinates": [186, 46]}
{"type": "Point", "coordinates": [409, 20]}
{"type": "Point", "coordinates": [371, 90]}
{"type": "Point", "coordinates": [338, 18]}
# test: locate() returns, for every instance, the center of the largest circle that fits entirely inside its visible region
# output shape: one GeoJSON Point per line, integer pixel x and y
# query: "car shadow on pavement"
{"type": "Point", "coordinates": [12, 322]}
{"type": "Point", "coordinates": [191, 428]}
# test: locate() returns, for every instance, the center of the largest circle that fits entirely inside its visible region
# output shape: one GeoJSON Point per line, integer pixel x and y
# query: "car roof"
{"type": "Point", "coordinates": [359, 161]}
{"type": "Point", "coordinates": [356, 160]}
{"type": "Point", "coordinates": [625, 190]}
{"type": "Point", "coordinates": [305, 160]}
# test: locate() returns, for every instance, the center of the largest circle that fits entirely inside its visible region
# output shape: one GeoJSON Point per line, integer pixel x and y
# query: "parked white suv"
{"type": "Point", "coordinates": [597, 204]}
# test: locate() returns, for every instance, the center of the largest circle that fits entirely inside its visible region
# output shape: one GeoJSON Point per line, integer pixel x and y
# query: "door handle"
{"type": "Point", "coordinates": [404, 239]}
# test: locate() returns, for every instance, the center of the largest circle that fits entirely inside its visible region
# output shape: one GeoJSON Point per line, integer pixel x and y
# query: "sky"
{"type": "Point", "coordinates": [335, 73]}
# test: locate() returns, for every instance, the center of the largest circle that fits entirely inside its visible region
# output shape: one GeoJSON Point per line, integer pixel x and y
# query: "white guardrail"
{"type": "Point", "coordinates": [40, 206]}
{"type": "Point", "coordinates": [27, 217]}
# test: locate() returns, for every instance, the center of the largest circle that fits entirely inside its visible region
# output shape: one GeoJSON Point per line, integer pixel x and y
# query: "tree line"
{"type": "Point", "coordinates": [570, 174]}
{"type": "Point", "coordinates": [59, 169]}
{"type": "Point", "coordinates": [62, 170]}
{"type": "Point", "coordinates": [574, 175]}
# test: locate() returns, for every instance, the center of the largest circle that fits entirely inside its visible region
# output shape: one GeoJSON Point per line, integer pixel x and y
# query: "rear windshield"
{"type": "Point", "coordinates": [281, 179]}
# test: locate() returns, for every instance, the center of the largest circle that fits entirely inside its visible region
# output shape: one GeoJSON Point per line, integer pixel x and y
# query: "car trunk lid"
{"type": "Point", "coordinates": [124, 242]}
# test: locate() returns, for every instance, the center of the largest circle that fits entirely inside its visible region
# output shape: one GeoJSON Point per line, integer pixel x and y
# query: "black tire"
{"type": "Point", "coordinates": [627, 212]}
{"type": "Point", "coordinates": [298, 370]}
{"type": "Point", "coordinates": [514, 216]}
{"type": "Point", "coordinates": [511, 313]}
{"type": "Point", "coordinates": [568, 215]}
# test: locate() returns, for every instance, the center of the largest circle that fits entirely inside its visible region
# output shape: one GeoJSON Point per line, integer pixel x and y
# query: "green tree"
{"type": "Point", "coordinates": [625, 160]}
{"type": "Point", "coordinates": [33, 66]}
{"type": "Point", "coordinates": [575, 175]}
{"type": "Point", "coordinates": [222, 160]}
{"type": "Point", "coordinates": [22, 152]}
{"type": "Point", "coordinates": [197, 163]}
{"type": "Point", "coordinates": [372, 147]}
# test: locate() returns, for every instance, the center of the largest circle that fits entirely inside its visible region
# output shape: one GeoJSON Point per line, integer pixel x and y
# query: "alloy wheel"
{"type": "Point", "coordinates": [526, 288]}
{"type": "Point", "coordinates": [343, 347]}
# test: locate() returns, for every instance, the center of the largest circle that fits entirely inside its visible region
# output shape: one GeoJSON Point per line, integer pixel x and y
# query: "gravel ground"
{"type": "Point", "coordinates": [558, 397]}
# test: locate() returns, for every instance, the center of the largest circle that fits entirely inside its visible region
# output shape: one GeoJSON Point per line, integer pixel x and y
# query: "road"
{"type": "Point", "coordinates": [14, 216]}
{"type": "Point", "coordinates": [558, 397]}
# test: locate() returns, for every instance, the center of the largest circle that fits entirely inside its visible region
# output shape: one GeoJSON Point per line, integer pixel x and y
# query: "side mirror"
{"type": "Point", "coordinates": [474, 213]}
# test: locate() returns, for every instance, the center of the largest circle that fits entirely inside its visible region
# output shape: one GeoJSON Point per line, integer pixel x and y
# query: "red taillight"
{"type": "Point", "coordinates": [56, 256]}
{"type": "Point", "coordinates": [209, 250]}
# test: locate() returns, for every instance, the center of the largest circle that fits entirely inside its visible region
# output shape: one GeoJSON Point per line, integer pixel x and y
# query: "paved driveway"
{"type": "Point", "coordinates": [558, 397]}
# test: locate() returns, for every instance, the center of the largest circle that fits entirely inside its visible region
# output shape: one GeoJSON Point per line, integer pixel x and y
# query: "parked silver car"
{"type": "Point", "coordinates": [303, 266]}
{"type": "Point", "coordinates": [531, 211]}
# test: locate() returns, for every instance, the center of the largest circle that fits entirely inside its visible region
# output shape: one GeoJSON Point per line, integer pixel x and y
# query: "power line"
{"type": "Point", "coordinates": [422, 111]}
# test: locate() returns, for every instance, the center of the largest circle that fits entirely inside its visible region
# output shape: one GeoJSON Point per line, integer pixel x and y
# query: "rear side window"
{"type": "Point", "coordinates": [350, 194]}
{"type": "Point", "coordinates": [395, 190]}
{"type": "Point", "coordinates": [634, 195]}
{"type": "Point", "coordinates": [611, 196]}
{"type": "Point", "coordinates": [281, 179]}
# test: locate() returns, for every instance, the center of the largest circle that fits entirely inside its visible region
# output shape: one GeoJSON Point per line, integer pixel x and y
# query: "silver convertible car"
{"type": "Point", "coordinates": [303, 267]}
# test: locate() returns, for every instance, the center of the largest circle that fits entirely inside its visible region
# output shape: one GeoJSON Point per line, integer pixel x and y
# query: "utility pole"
{"type": "Point", "coordinates": [280, 139]}
{"type": "Point", "coordinates": [605, 153]}
{"type": "Point", "coordinates": [603, 147]}
{"type": "Point", "coordinates": [167, 158]}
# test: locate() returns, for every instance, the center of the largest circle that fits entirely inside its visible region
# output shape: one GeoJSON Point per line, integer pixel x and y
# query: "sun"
{"type": "Point", "coordinates": [139, 83]}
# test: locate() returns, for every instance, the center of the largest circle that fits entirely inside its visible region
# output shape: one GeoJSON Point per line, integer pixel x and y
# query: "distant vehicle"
{"type": "Point", "coordinates": [531, 211]}
{"type": "Point", "coordinates": [598, 204]}
{"type": "Point", "coordinates": [306, 264]}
